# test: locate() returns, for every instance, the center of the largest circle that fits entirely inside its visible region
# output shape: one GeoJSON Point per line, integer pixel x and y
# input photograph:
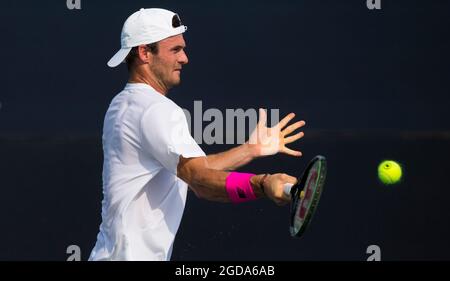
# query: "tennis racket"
{"type": "Point", "coordinates": [305, 195]}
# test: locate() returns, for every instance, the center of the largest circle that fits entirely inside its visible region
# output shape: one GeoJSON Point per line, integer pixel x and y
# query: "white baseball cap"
{"type": "Point", "coordinates": [146, 26]}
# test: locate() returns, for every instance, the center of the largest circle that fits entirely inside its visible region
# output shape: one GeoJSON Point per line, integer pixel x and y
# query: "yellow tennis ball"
{"type": "Point", "coordinates": [389, 172]}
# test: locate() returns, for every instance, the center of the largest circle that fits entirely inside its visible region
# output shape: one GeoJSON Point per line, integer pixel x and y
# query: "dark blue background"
{"type": "Point", "coordinates": [371, 85]}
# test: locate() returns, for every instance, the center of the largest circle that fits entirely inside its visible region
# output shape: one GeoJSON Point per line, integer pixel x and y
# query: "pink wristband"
{"type": "Point", "coordinates": [239, 188]}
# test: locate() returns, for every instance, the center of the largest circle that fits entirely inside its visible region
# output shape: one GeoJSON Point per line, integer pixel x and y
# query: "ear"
{"type": "Point", "coordinates": [144, 55]}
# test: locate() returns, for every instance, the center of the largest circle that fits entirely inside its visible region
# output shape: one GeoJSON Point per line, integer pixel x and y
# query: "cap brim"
{"type": "Point", "coordinates": [119, 57]}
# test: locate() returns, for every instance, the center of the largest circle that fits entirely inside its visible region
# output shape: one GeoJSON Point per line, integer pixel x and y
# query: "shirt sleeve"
{"type": "Point", "coordinates": [165, 135]}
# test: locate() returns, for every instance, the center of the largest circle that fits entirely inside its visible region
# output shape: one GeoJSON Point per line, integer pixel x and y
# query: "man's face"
{"type": "Point", "coordinates": [167, 63]}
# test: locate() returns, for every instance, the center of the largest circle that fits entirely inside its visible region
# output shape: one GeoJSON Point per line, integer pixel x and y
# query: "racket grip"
{"type": "Point", "coordinates": [287, 189]}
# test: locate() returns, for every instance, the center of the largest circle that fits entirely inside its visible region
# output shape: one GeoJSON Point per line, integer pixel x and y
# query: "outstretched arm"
{"type": "Point", "coordinates": [210, 184]}
{"type": "Point", "coordinates": [263, 141]}
{"type": "Point", "coordinates": [232, 159]}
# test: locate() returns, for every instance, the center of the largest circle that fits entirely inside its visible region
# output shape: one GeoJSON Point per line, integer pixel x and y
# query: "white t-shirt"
{"type": "Point", "coordinates": [144, 134]}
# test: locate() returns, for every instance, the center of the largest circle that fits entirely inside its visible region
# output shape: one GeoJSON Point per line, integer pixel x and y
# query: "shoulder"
{"type": "Point", "coordinates": [151, 99]}
{"type": "Point", "coordinates": [164, 107]}
{"type": "Point", "coordinates": [163, 112]}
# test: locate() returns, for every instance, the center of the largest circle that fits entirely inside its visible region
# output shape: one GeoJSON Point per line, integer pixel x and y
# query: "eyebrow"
{"type": "Point", "coordinates": [178, 47]}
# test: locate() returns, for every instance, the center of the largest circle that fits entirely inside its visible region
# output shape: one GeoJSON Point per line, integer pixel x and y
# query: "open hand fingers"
{"type": "Point", "coordinates": [294, 138]}
{"type": "Point", "coordinates": [293, 127]}
{"type": "Point", "coordinates": [285, 120]}
{"type": "Point", "coordinates": [289, 151]}
{"type": "Point", "coordinates": [262, 117]}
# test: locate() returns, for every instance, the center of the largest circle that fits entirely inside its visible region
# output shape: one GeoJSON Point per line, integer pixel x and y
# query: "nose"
{"type": "Point", "coordinates": [183, 59]}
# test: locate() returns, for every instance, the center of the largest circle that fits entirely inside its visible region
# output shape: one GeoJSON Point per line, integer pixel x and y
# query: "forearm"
{"type": "Point", "coordinates": [209, 183]}
{"type": "Point", "coordinates": [232, 159]}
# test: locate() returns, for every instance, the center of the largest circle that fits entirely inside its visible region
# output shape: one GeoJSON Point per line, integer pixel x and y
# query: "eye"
{"type": "Point", "coordinates": [177, 49]}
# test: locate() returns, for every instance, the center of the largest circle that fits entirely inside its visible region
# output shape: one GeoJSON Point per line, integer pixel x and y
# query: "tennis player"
{"type": "Point", "coordinates": [150, 158]}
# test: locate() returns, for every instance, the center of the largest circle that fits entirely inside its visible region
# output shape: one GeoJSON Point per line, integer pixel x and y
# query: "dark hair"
{"type": "Point", "coordinates": [133, 55]}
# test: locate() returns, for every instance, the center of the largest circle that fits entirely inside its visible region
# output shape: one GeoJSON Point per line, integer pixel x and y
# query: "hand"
{"type": "Point", "coordinates": [269, 141]}
{"type": "Point", "coordinates": [274, 188]}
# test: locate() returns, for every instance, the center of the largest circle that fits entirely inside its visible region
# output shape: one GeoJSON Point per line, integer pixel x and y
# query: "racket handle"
{"type": "Point", "coordinates": [287, 189]}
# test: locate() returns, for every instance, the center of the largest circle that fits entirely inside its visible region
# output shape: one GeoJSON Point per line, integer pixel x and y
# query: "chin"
{"type": "Point", "coordinates": [176, 81]}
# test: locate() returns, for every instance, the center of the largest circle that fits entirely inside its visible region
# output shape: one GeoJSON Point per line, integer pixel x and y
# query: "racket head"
{"type": "Point", "coordinates": [311, 182]}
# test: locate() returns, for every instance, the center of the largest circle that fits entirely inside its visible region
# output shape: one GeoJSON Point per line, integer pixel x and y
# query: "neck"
{"type": "Point", "coordinates": [136, 77]}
